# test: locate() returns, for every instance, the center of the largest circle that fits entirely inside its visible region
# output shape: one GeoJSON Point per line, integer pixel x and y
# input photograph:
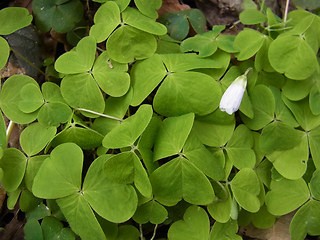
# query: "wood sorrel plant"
{"type": "Point", "coordinates": [132, 139]}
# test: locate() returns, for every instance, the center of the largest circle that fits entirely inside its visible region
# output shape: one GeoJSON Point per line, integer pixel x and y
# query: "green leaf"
{"type": "Point", "coordinates": [306, 25]}
{"type": "Point", "coordinates": [146, 75]}
{"type": "Point", "coordinates": [146, 143]}
{"type": "Point", "coordinates": [177, 25]}
{"type": "Point", "coordinates": [73, 86]}
{"type": "Point", "coordinates": [52, 228]}
{"type": "Point", "coordinates": [13, 164]}
{"type": "Point", "coordinates": [272, 79]}
{"type": "Point", "coordinates": [78, 60]}
{"type": "Point", "coordinates": [292, 163]}
{"type": "Point", "coordinates": [306, 221]}
{"type": "Point", "coordinates": [27, 201]}
{"type": "Point", "coordinates": [314, 99]}
{"type": "Point", "coordinates": [223, 58]}
{"type": "Point", "coordinates": [248, 4]}
{"type": "Point", "coordinates": [33, 166]}
{"type": "Point", "coordinates": [128, 232]}
{"type": "Point", "coordinates": [182, 62]}
{"type": "Point", "coordinates": [54, 113]}
{"type": "Point", "coordinates": [256, 147]}
{"type": "Point", "coordinates": [152, 212]}
{"type": "Point", "coordinates": [3, 136]}
{"type": "Point", "coordinates": [10, 98]}
{"type": "Point", "coordinates": [286, 195]}
{"type": "Point", "coordinates": [119, 200]}
{"type": "Point", "coordinates": [248, 42]}
{"type": "Point", "coordinates": [225, 231]}
{"type": "Point", "coordinates": [39, 212]}
{"type": "Point", "coordinates": [127, 44]}
{"type": "Point", "coordinates": [282, 112]}
{"type": "Point", "coordinates": [261, 60]}
{"type": "Point", "coordinates": [148, 8]}
{"type": "Point", "coordinates": [13, 18]}
{"type": "Point", "coordinates": [118, 106]}
{"type": "Point", "coordinates": [310, 4]}
{"type": "Point", "coordinates": [225, 43]}
{"type": "Point", "coordinates": [296, 90]}
{"type": "Point", "coordinates": [252, 16]}
{"type": "Point", "coordinates": [32, 230]}
{"type": "Point", "coordinates": [175, 97]}
{"type": "Point", "coordinates": [5, 51]}
{"type": "Point", "coordinates": [214, 129]}
{"type": "Point", "coordinates": [48, 11]}
{"type": "Point", "coordinates": [200, 43]}
{"type": "Point", "coordinates": [106, 19]}
{"type": "Point", "coordinates": [220, 209]}
{"type": "Point", "coordinates": [239, 148]}
{"type": "Point", "coordinates": [134, 18]}
{"type": "Point", "coordinates": [84, 137]}
{"type": "Point", "coordinates": [111, 76]}
{"type": "Point", "coordinates": [119, 168]}
{"type": "Point", "coordinates": [81, 217]}
{"type": "Point", "coordinates": [245, 187]}
{"type": "Point", "coordinates": [302, 113]}
{"type": "Point", "coordinates": [129, 130]}
{"type": "Point", "coordinates": [263, 104]}
{"type": "Point", "coordinates": [278, 136]}
{"type": "Point", "coordinates": [263, 219]}
{"type": "Point", "coordinates": [196, 19]}
{"type": "Point", "coordinates": [314, 184]}
{"type": "Point", "coordinates": [60, 174]}
{"type": "Point", "coordinates": [167, 45]}
{"type": "Point", "coordinates": [51, 92]}
{"type": "Point", "coordinates": [195, 225]}
{"type": "Point", "coordinates": [172, 135]}
{"type": "Point", "coordinates": [292, 56]}
{"type": "Point", "coordinates": [13, 198]}
{"type": "Point", "coordinates": [122, 4]}
{"type": "Point", "coordinates": [179, 179]}
{"type": "Point", "coordinates": [35, 137]}
{"type": "Point", "coordinates": [126, 168]}
{"type": "Point", "coordinates": [202, 158]}
{"type": "Point", "coordinates": [31, 98]}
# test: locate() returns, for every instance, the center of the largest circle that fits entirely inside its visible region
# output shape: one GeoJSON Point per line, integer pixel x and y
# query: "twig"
{"type": "Point", "coordinates": [99, 114]}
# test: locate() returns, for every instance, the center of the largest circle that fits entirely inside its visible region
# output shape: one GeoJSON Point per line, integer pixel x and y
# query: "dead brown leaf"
{"type": "Point", "coordinates": [169, 6]}
{"type": "Point", "coordinates": [279, 231]}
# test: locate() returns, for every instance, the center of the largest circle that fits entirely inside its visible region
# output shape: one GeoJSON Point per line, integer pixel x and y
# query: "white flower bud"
{"type": "Point", "coordinates": [231, 99]}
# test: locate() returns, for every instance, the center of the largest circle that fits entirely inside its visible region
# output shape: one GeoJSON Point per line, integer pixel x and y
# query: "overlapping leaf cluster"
{"type": "Point", "coordinates": [133, 134]}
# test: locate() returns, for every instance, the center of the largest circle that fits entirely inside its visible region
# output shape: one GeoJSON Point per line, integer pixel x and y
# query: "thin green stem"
{"type": "Point", "coordinates": [141, 232]}
{"type": "Point", "coordinates": [234, 24]}
{"type": "Point", "coordinates": [248, 70]}
{"type": "Point", "coordinates": [9, 130]}
{"type": "Point", "coordinates": [262, 5]}
{"type": "Point", "coordinates": [27, 61]}
{"type": "Point", "coordinates": [223, 189]}
{"type": "Point", "coordinates": [99, 114]}
{"type": "Point", "coordinates": [100, 49]}
{"type": "Point", "coordinates": [286, 11]}
{"type": "Point", "coordinates": [154, 232]}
